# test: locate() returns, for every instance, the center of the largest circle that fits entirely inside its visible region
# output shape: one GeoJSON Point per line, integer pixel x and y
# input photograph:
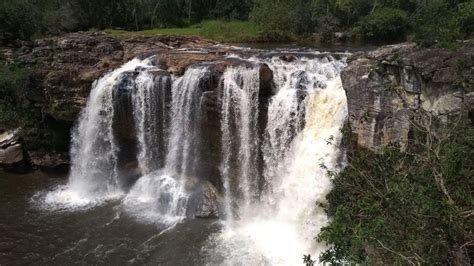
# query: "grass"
{"type": "Point", "coordinates": [218, 30]}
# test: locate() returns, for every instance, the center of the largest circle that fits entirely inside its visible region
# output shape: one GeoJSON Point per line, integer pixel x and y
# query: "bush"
{"type": "Point", "coordinates": [465, 19]}
{"type": "Point", "coordinates": [410, 207]}
{"type": "Point", "coordinates": [13, 92]}
{"type": "Point", "coordinates": [385, 24]}
{"type": "Point", "coordinates": [19, 18]}
{"type": "Point", "coordinates": [281, 19]}
{"type": "Point", "coordinates": [435, 22]}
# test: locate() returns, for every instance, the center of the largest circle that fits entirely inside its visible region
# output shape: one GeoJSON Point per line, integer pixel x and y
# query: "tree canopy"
{"type": "Point", "coordinates": [440, 20]}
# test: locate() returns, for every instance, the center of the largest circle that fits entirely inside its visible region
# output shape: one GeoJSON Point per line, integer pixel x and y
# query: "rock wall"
{"type": "Point", "coordinates": [63, 69]}
{"type": "Point", "coordinates": [388, 87]}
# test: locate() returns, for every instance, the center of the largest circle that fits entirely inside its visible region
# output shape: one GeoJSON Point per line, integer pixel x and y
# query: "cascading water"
{"type": "Point", "coordinates": [184, 144]}
{"type": "Point", "coordinates": [94, 151]}
{"type": "Point", "coordinates": [270, 182]}
{"type": "Point", "coordinates": [239, 138]}
{"type": "Point", "coordinates": [161, 196]}
{"type": "Point", "coordinates": [280, 227]}
{"type": "Point", "coordinates": [150, 112]}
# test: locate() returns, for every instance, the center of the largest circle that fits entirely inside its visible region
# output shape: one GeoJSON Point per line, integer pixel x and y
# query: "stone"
{"type": "Point", "coordinates": [13, 156]}
{"type": "Point", "coordinates": [387, 87]}
{"type": "Point", "coordinates": [57, 162]}
{"type": "Point", "coordinates": [204, 201]}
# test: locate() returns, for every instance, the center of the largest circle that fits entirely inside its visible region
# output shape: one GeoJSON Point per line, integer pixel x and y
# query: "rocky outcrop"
{"type": "Point", "coordinates": [387, 88]}
{"type": "Point", "coordinates": [63, 69]}
{"type": "Point", "coordinates": [205, 201]}
{"type": "Point", "coordinates": [66, 66]}
{"type": "Point", "coordinates": [13, 156]}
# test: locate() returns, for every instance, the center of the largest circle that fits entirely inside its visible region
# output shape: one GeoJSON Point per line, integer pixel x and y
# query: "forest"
{"type": "Point", "coordinates": [443, 21]}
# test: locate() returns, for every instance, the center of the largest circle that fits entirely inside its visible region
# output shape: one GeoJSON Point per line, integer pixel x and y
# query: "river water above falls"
{"type": "Point", "coordinates": [243, 142]}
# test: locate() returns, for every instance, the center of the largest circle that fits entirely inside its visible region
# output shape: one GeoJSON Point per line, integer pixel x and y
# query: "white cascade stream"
{"type": "Point", "coordinates": [94, 151]}
{"type": "Point", "coordinates": [239, 136]}
{"type": "Point", "coordinates": [149, 106]}
{"type": "Point", "coordinates": [160, 196]}
{"type": "Point", "coordinates": [280, 227]}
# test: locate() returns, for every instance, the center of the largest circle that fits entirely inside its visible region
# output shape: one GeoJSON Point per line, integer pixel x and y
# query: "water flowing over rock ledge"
{"type": "Point", "coordinates": [62, 70]}
{"type": "Point", "coordinates": [383, 87]}
{"type": "Point", "coordinates": [388, 87]}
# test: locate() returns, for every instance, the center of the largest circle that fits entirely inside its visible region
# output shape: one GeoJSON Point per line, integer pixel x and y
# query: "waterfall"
{"type": "Point", "coordinates": [94, 175]}
{"type": "Point", "coordinates": [184, 143]}
{"type": "Point", "coordinates": [150, 113]}
{"type": "Point", "coordinates": [239, 140]}
{"type": "Point", "coordinates": [271, 151]}
{"type": "Point", "coordinates": [303, 132]}
{"type": "Point", "coordinates": [160, 196]}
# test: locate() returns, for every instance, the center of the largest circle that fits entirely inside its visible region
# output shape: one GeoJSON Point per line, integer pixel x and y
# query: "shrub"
{"type": "Point", "coordinates": [19, 18]}
{"type": "Point", "coordinates": [435, 23]}
{"type": "Point", "coordinates": [465, 19]}
{"type": "Point", "coordinates": [384, 24]}
{"type": "Point", "coordinates": [410, 207]}
{"type": "Point", "coordinates": [280, 19]}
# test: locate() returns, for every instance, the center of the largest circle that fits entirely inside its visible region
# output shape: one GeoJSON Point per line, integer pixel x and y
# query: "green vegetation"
{"type": "Point", "coordinates": [406, 207]}
{"type": "Point", "coordinates": [434, 21]}
{"type": "Point", "coordinates": [13, 92]}
{"type": "Point", "coordinates": [443, 22]}
{"type": "Point", "coordinates": [18, 109]}
{"type": "Point", "coordinates": [384, 23]}
{"type": "Point", "coordinates": [218, 30]}
{"type": "Point", "coordinates": [278, 20]}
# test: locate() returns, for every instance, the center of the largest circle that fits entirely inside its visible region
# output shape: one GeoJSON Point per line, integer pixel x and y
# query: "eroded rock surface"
{"type": "Point", "coordinates": [13, 156]}
{"type": "Point", "coordinates": [386, 88]}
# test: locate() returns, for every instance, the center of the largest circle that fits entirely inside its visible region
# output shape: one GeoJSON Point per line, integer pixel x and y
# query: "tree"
{"type": "Point", "coordinates": [282, 18]}
{"type": "Point", "coordinates": [384, 24]}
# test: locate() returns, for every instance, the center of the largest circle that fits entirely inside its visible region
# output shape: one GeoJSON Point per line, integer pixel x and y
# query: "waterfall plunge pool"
{"type": "Point", "coordinates": [102, 235]}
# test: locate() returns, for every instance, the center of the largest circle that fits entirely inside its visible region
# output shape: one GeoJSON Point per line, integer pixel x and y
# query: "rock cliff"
{"type": "Point", "coordinates": [387, 88]}
{"type": "Point", "coordinates": [62, 70]}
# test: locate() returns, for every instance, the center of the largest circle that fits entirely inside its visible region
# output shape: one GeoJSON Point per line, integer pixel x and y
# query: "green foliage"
{"type": "Point", "coordinates": [352, 10]}
{"type": "Point", "coordinates": [281, 18]}
{"type": "Point", "coordinates": [411, 207]}
{"type": "Point", "coordinates": [18, 109]}
{"type": "Point", "coordinates": [434, 22]}
{"type": "Point", "coordinates": [384, 24]}
{"type": "Point", "coordinates": [15, 95]}
{"type": "Point", "coordinates": [465, 19]}
{"type": "Point", "coordinates": [19, 18]}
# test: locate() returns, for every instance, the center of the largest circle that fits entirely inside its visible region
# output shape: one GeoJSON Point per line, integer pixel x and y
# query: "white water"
{"type": "Point", "coordinates": [183, 146]}
{"type": "Point", "coordinates": [239, 138]}
{"type": "Point", "coordinates": [149, 106]}
{"type": "Point", "coordinates": [161, 196]}
{"type": "Point", "coordinates": [280, 228]}
{"type": "Point", "coordinates": [94, 175]}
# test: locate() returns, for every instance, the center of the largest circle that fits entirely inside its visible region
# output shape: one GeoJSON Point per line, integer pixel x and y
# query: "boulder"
{"type": "Point", "coordinates": [205, 201]}
{"type": "Point", "coordinates": [55, 162]}
{"type": "Point", "coordinates": [13, 156]}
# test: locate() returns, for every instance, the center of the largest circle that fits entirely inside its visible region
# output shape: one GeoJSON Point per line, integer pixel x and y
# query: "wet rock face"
{"type": "Point", "coordinates": [386, 88]}
{"type": "Point", "coordinates": [66, 66]}
{"type": "Point", "coordinates": [13, 156]}
{"type": "Point", "coordinates": [205, 201]}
